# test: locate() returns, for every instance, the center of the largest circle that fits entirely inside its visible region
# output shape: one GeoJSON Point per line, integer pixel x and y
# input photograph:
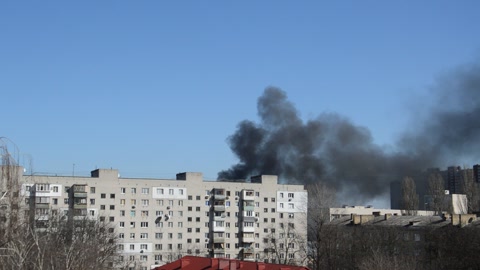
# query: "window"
{"type": "Point", "coordinates": [291, 195]}
{"type": "Point", "coordinates": [257, 194]}
{"type": "Point", "coordinates": [159, 191]}
{"type": "Point", "coordinates": [144, 224]}
{"type": "Point", "coordinates": [265, 199]}
{"type": "Point", "coordinates": [170, 202]}
{"type": "Point", "coordinates": [179, 235]}
{"type": "Point", "coordinates": [145, 202]}
{"type": "Point", "coordinates": [111, 219]}
{"type": "Point", "coordinates": [132, 213]}
{"type": "Point", "coordinates": [65, 201]}
{"type": "Point", "coordinates": [160, 202]}
{"type": "Point", "coordinates": [144, 213]}
{"type": "Point", "coordinates": [103, 195]}
{"type": "Point", "coordinates": [198, 198]}
{"type": "Point", "coordinates": [281, 205]}
{"type": "Point", "coordinates": [102, 207]}
{"type": "Point", "coordinates": [189, 208]}
{"type": "Point", "coordinates": [180, 191]}
{"type": "Point", "coordinates": [291, 215]}
{"type": "Point", "coordinates": [145, 190]}
{"type": "Point", "coordinates": [290, 206]}
{"type": "Point", "coordinates": [133, 190]}
{"type": "Point", "coordinates": [133, 202]}
{"type": "Point", "coordinates": [122, 201]}
{"type": "Point", "coordinates": [257, 204]}
{"type": "Point", "coordinates": [123, 190]}
{"type": "Point", "coordinates": [121, 235]}
{"type": "Point", "coordinates": [189, 197]}
{"type": "Point", "coordinates": [132, 235]}
{"type": "Point", "coordinates": [273, 199]}
{"type": "Point", "coordinates": [143, 258]}
{"type": "Point", "coordinates": [265, 210]}
{"type": "Point", "coordinates": [132, 224]}
{"type": "Point", "coordinates": [158, 246]}
{"type": "Point", "coordinates": [55, 189]}
{"type": "Point", "coordinates": [121, 224]}
{"type": "Point", "coordinates": [180, 224]}
{"type": "Point", "coordinates": [416, 237]}
{"type": "Point", "coordinates": [132, 247]}
{"type": "Point", "coordinates": [122, 213]}
{"type": "Point", "coordinates": [272, 220]}
{"type": "Point", "coordinates": [92, 189]}
{"type": "Point", "coordinates": [273, 210]}
{"type": "Point", "coordinates": [143, 235]}
{"type": "Point", "coordinates": [197, 219]}
{"type": "Point", "coordinates": [112, 207]}
{"type": "Point", "coordinates": [170, 191]}
{"type": "Point", "coordinates": [112, 195]}
{"type": "Point", "coordinates": [197, 208]}
{"type": "Point", "coordinates": [55, 201]}
{"type": "Point", "coordinates": [143, 246]}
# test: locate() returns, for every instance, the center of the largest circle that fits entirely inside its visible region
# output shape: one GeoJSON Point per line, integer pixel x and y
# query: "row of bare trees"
{"type": "Point", "coordinates": [435, 198]}
{"type": "Point", "coordinates": [63, 243]}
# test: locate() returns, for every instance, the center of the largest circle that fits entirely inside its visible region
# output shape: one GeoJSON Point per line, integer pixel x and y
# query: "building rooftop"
{"type": "Point", "coordinates": [202, 263]}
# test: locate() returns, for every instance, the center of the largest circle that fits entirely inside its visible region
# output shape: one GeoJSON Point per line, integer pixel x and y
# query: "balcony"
{"type": "Point", "coordinates": [219, 240]}
{"type": "Point", "coordinates": [219, 218]}
{"type": "Point", "coordinates": [249, 239]}
{"type": "Point", "coordinates": [219, 207]}
{"type": "Point", "coordinates": [249, 219]}
{"type": "Point", "coordinates": [80, 194]}
{"type": "Point", "coordinates": [248, 250]}
{"type": "Point", "coordinates": [218, 228]}
{"type": "Point", "coordinates": [248, 195]}
{"type": "Point", "coordinates": [248, 229]}
{"type": "Point", "coordinates": [80, 206]}
{"type": "Point", "coordinates": [218, 194]}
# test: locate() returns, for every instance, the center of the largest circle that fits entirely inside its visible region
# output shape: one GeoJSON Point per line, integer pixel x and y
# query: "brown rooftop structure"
{"type": "Point", "coordinates": [202, 263]}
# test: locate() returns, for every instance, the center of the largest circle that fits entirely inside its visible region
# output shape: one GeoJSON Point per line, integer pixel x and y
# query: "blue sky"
{"type": "Point", "coordinates": [154, 88]}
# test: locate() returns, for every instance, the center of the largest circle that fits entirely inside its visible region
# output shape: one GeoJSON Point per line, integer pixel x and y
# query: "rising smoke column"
{"type": "Point", "coordinates": [332, 149]}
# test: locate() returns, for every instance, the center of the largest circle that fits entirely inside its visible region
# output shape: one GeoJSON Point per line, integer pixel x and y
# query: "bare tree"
{"type": "Point", "coordinates": [320, 237]}
{"type": "Point", "coordinates": [471, 189]}
{"type": "Point", "coordinates": [436, 191]}
{"type": "Point", "coordinates": [285, 245]}
{"type": "Point", "coordinates": [409, 196]}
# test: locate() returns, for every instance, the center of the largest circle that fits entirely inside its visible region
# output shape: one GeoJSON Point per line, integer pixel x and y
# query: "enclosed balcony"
{"type": "Point", "coordinates": [248, 205]}
{"type": "Point", "coordinates": [79, 191]}
{"type": "Point", "coordinates": [248, 227]}
{"type": "Point", "coordinates": [248, 237]}
{"type": "Point", "coordinates": [219, 216]}
{"type": "Point", "coordinates": [218, 248]}
{"type": "Point", "coordinates": [219, 206]}
{"type": "Point", "coordinates": [41, 188]}
{"type": "Point", "coordinates": [248, 195]}
{"type": "Point", "coordinates": [218, 226]}
{"type": "Point", "coordinates": [248, 250]}
{"type": "Point", "coordinates": [42, 202]}
{"type": "Point", "coordinates": [218, 194]}
{"type": "Point", "coordinates": [80, 203]}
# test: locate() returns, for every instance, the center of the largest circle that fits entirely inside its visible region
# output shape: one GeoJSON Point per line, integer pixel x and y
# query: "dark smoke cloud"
{"type": "Point", "coordinates": [333, 150]}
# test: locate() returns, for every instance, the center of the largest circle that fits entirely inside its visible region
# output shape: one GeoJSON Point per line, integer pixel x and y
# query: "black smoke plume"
{"type": "Point", "coordinates": [332, 149]}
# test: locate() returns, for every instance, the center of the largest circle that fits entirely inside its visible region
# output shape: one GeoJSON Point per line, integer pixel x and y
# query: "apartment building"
{"type": "Point", "coordinates": [161, 220]}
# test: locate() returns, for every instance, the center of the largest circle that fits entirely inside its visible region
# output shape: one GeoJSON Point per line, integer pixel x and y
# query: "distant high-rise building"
{"type": "Point", "coordinates": [476, 173]}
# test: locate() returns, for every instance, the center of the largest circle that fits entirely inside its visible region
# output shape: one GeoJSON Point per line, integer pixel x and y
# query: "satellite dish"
{"type": "Point", "coordinates": [167, 217]}
{"type": "Point", "coordinates": [157, 220]}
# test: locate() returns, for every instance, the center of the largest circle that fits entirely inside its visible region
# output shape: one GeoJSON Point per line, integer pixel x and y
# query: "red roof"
{"type": "Point", "coordinates": [202, 263]}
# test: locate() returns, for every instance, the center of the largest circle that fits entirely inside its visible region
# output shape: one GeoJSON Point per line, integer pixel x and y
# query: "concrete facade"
{"type": "Point", "coordinates": [161, 220]}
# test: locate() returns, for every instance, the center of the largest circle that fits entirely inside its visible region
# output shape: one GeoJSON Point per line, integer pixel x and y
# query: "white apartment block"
{"type": "Point", "coordinates": [161, 220]}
